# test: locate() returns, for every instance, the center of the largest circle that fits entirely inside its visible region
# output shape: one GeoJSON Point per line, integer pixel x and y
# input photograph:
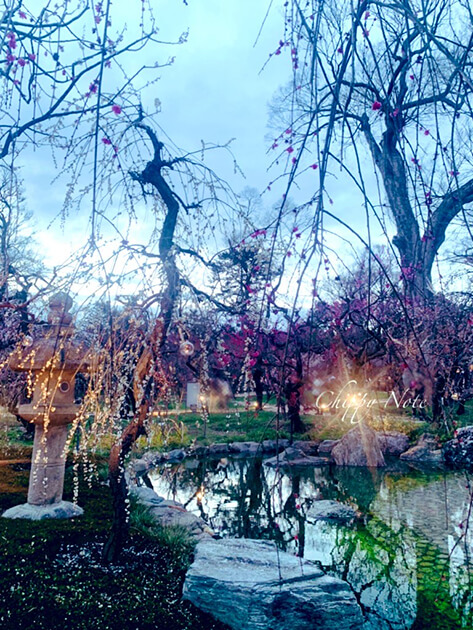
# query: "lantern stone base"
{"type": "Point", "coordinates": [63, 509]}
{"type": "Point", "coordinates": [48, 464]}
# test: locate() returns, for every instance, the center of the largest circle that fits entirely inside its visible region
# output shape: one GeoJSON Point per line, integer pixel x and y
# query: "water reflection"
{"type": "Point", "coordinates": [407, 559]}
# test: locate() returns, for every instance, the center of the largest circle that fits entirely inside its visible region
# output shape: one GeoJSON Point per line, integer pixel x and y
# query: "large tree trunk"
{"type": "Point", "coordinates": [293, 393]}
{"type": "Point", "coordinates": [417, 253]}
{"type": "Point", "coordinates": [118, 486]}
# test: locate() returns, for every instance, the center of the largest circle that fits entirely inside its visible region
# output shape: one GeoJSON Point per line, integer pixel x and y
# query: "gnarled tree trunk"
{"type": "Point", "coordinates": [142, 385]}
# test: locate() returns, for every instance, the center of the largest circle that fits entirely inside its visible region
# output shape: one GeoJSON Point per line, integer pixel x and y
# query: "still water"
{"type": "Point", "coordinates": [407, 559]}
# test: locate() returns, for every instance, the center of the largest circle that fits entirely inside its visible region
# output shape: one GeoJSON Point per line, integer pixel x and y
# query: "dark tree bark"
{"type": "Point", "coordinates": [417, 253]}
{"type": "Point", "coordinates": [258, 374]}
{"type": "Point", "coordinates": [118, 486]}
{"type": "Point", "coordinates": [142, 385]}
{"type": "Point", "coordinates": [293, 392]}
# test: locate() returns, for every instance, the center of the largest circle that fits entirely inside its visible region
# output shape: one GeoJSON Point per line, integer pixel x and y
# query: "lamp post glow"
{"type": "Point", "coordinates": [53, 360]}
{"type": "Point", "coordinates": [186, 348]}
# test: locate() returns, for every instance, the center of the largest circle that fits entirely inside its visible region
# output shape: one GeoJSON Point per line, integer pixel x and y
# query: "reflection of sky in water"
{"type": "Point", "coordinates": [417, 526]}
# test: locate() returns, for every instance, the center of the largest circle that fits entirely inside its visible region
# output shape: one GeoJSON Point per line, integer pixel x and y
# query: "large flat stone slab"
{"type": "Point", "coordinates": [251, 585]}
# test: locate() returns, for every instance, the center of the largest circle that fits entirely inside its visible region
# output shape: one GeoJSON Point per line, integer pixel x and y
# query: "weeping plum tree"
{"type": "Point", "coordinates": [67, 86]}
{"type": "Point", "coordinates": [149, 379]}
{"type": "Point", "coordinates": [393, 78]}
{"type": "Point", "coordinates": [74, 80]}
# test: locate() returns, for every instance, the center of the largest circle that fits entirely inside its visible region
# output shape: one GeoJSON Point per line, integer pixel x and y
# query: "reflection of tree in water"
{"type": "Point", "coordinates": [238, 497]}
{"type": "Point", "coordinates": [243, 498]}
{"type": "Point", "coordinates": [356, 484]}
{"type": "Point", "coordinates": [378, 564]}
{"type": "Point", "coordinates": [379, 558]}
{"type": "Point", "coordinates": [292, 511]}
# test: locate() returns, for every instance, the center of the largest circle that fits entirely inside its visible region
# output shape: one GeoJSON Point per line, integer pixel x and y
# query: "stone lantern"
{"type": "Point", "coordinates": [52, 361]}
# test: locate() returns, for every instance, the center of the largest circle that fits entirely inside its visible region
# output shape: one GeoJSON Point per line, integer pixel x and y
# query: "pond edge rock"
{"type": "Point", "coordinates": [251, 585]}
{"type": "Point", "coordinates": [168, 513]}
{"type": "Point", "coordinates": [458, 452]}
{"type": "Point", "coordinates": [361, 446]}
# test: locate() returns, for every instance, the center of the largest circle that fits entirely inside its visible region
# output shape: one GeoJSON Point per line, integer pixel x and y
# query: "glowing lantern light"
{"type": "Point", "coordinates": [186, 348]}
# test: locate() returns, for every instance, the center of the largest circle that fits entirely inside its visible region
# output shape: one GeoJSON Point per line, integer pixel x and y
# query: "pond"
{"type": "Point", "coordinates": [407, 559]}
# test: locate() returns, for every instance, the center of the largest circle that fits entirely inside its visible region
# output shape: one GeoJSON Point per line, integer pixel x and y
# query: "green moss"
{"type": "Point", "coordinates": [374, 538]}
{"type": "Point", "coordinates": [435, 609]}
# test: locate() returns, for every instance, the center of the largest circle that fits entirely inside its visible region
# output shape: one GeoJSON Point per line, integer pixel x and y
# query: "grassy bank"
{"type": "Point", "coordinates": [174, 429]}
{"type": "Point", "coordinates": [51, 576]}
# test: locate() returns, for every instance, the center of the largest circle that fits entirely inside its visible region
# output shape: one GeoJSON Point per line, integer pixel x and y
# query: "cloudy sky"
{"type": "Point", "coordinates": [215, 90]}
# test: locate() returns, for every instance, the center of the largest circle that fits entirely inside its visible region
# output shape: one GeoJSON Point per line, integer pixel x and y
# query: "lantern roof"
{"type": "Point", "coordinates": [54, 348]}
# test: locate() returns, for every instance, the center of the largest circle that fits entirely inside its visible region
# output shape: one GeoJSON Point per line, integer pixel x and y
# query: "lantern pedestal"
{"type": "Point", "coordinates": [48, 465]}
{"type": "Point", "coordinates": [54, 361]}
{"type": "Point", "coordinates": [46, 485]}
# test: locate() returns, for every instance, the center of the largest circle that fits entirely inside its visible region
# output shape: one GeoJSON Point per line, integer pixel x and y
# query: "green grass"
{"type": "Point", "coordinates": [239, 424]}
{"type": "Point", "coordinates": [13, 444]}
{"type": "Point", "coordinates": [233, 426]}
